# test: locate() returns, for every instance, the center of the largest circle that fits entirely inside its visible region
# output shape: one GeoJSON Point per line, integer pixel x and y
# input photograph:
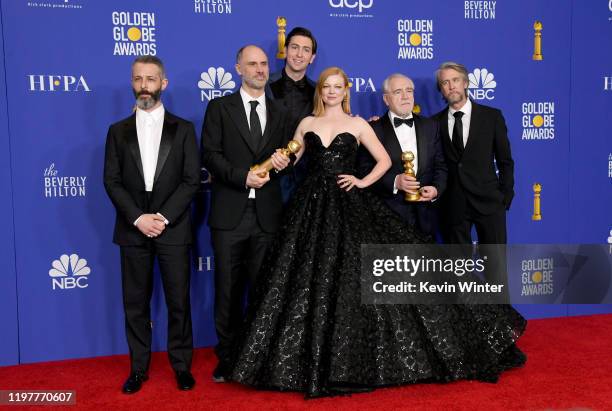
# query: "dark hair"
{"type": "Point", "coordinates": [301, 31]}
{"type": "Point", "coordinates": [147, 59]}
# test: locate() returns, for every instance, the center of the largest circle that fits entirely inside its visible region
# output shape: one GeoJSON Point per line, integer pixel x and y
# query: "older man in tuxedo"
{"type": "Point", "coordinates": [400, 130]}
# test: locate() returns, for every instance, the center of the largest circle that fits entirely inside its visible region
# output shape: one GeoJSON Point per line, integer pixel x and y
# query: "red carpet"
{"type": "Point", "coordinates": [569, 366]}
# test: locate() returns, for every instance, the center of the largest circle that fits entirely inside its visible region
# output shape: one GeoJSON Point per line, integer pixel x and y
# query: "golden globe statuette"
{"type": "Point", "coordinates": [407, 159]}
{"type": "Point", "coordinates": [281, 22]}
{"type": "Point", "coordinates": [292, 148]}
{"type": "Point", "coordinates": [537, 41]}
{"type": "Point", "coordinates": [537, 214]}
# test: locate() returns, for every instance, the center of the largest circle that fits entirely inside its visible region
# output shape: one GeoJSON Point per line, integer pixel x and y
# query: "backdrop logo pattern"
{"type": "Point", "coordinates": [56, 82]}
{"type": "Point", "coordinates": [415, 39]}
{"type": "Point", "coordinates": [212, 6]}
{"type": "Point", "coordinates": [537, 276]}
{"type": "Point", "coordinates": [57, 186]}
{"type": "Point", "coordinates": [481, 84]}
{"type": "Point", "coordinates": [362, 84]}
{"type": "Point", "coordinates": [69, 272]}
{"type": "Point", "coordinates": [479, 10]}
{"type": "Point", "coordinates": [215, 82]}
{"type": "Point", "coordinates": [56, 4]}
{"type": "Point", "coordinates": [354, 8]}
{"type": "Point", "coordinates": [134, 33]}
{"type": "Point", "coordinates": [608, 83]}
{"type": "Point", "coordinates": [538, 120]}
{"type": "Point", "coordinates": [610, 165]}
{"type": "Point", "coordinates": [205, 264]}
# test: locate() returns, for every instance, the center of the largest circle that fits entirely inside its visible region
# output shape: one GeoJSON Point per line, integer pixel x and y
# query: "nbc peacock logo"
{"type": "Point", "coordinates": [69, 272]}
{"type": "Point", "coordinates": [215, 82]}
{"type": "Point", "coordinates": [482, 84]}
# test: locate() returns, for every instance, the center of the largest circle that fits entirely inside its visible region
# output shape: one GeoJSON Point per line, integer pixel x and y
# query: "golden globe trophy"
{"type": "Point", "coordinates": [537, 41]}
{"type": "Point", "coordinates": [281, 22]}
{"type": "Point", "coordinates": [292, 148]}
{"type": "Point", "coordinates": [537, 214]}
{"type": "Point", "coordinates": [407, 159]}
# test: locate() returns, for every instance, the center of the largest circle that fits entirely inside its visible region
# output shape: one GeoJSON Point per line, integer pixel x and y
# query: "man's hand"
{"type": "Point", "coordinates": [279, 160]}
{"type": "Point", "coordinates": [151, 225]}
{"type": "Point", "coordinates": [254, 180]}
{"type": "Point", "coordinates": [407, 183]}
{"type": "Point", "coordinates": [428, 193]}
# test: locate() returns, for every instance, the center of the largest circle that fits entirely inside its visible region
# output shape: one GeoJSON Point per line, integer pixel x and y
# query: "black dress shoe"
{"type": "Point", "coordinates": [219, 374]}
{"type": "Point", "coordinates": [134, 383]}
{"type": "Point", "coordinates": [184, 380]}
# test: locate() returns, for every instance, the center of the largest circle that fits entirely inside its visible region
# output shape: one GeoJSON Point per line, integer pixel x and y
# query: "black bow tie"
{"type": "Point", "coordinates": [399, 121]}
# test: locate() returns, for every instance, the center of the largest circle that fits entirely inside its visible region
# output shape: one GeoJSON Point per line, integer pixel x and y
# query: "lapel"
{"type": "Point", "coordinates": [449, 148]}
{"type": "Point", "coordinates": [421, 142]}
{"type": "Point", "coordinates": [236, 111]}
{"type": "Point", "coordinates": [272, 121]}
{"type": "Point", "coordinates": [390, 140]}
{"type": "Point", "coordinates": [131, 137]}
{"type": "Point", "coordinates": [165, 145]}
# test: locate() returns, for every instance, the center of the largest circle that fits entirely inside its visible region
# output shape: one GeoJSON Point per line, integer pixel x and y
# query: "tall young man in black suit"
{"type": "Point", "coordinates": [240, 130]}
{"type": "Point", "coordinates": [400, 130]}
{"type": "Point", "coordinates": [473, 136]}
{"type": "Point", "coordinates": [151, 173]}
{"type": "Point", "coordinates": [292, 88]}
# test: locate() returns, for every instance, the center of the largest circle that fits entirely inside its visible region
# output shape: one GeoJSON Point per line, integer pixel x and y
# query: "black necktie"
{"type": "Point", "coordinates": [399, 121]}
{"type": "Point", "coordinates": [458, 132]}
{"type": "Point", "coordinates": [255, 124]}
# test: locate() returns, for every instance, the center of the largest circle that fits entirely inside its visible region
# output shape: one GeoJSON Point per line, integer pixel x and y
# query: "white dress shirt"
{"type": "Point", "coordinates": [467, 116]}
{"type": "Point", "coordinates": [261, 113]}
{"type": "Point", "coordinates": [149, 129]}
{"type": "Point", "coordinates": [407, 139]}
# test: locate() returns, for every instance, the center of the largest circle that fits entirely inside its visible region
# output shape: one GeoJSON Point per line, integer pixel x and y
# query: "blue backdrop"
{"type": "Point", "coordinates": [66, 77]}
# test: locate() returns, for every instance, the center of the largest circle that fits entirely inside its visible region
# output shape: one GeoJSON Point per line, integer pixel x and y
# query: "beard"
{"type": "Point", "coordinates": [254, 83]}
{"type": "Point", "coordinates": [147, 99]}
{"type": "Point", "coordinates": [455, 97]}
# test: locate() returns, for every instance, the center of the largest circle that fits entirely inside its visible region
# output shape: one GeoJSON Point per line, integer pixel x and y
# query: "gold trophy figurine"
{"type": "Point", "coordinates": [281, 22]}
{"type": "Point", "coordinates": [407, 159]}
{"type": "Point", "coordinates": [292, 148]}
{"type": "Point", "coordinates": [537, 41]}
{"type": "Point", "coordinates": [537, 213]}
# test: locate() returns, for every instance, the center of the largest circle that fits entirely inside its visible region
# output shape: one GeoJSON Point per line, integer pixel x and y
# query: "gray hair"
{"type": "Point", "coordinates": [148, 59]}
{"type": "Point", "coordinates": [385, 84]}
{"type": "Point", "coordinates": [453, 66]}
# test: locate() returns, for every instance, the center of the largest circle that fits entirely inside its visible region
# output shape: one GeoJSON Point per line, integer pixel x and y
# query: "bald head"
{"type": "Point", "coordinates": [252, 66]}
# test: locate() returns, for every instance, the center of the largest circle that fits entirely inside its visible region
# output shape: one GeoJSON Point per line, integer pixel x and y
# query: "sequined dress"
{"type": "Point", "coordinates": [306, 329]}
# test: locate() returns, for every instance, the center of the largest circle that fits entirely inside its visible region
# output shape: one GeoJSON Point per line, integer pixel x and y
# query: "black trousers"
{"type": "Point", "coordinates": [492, 237]}
{"type": "Point", "coordinates": [239, 254]}
{"type": "Point", "coordinates": [137, 277]}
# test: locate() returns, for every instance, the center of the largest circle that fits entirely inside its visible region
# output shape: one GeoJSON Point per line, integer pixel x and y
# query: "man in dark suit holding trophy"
{"type": "Point", "coordinates": [241, 130]}
{"type": "Point", "coordinates": [400, 131]}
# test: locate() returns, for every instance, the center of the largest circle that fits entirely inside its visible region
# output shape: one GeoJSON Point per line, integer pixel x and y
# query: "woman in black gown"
{"type": "Point", "coordinates": [306, 328]}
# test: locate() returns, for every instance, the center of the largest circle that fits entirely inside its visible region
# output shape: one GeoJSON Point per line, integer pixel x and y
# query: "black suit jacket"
{"type": "Point", "coordinates": [472, 175]}
{"type": "Point", "coordinates": [431, 170]}
{"type": "Point", "coordinates": [228, 153]}
{"type": "Point", "coordinates": [177, 179]}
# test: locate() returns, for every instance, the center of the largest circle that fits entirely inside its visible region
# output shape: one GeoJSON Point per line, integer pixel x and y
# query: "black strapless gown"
{"type": "Point", "coordinates": [306, 329]}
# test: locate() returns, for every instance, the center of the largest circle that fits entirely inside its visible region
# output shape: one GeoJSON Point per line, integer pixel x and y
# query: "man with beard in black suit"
{"type": "Point", "coordinates": [151, 173]}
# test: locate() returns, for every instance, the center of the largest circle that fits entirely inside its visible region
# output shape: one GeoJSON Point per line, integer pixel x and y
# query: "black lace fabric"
{"type": "Point", "coordinates": [306, 329]}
